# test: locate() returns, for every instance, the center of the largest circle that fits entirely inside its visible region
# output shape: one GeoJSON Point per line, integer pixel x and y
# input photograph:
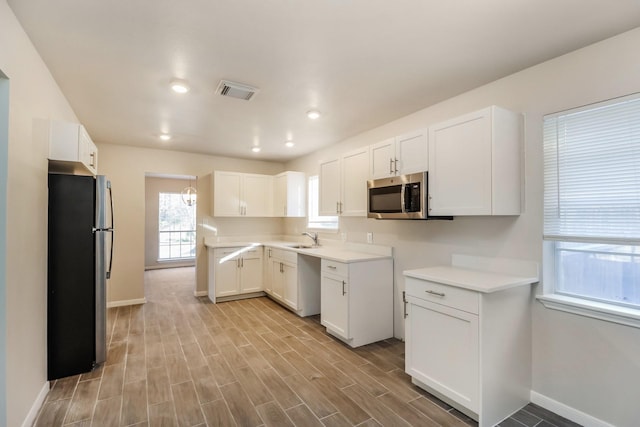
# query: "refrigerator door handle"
{"type": "Point", "coordinates": [110, 255]}
{"type": "Point", "coordinates": [110, 204]}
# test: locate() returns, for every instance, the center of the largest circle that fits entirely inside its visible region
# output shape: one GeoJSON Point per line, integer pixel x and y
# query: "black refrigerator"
{"type": "Point", "coordinates": [80, 252]}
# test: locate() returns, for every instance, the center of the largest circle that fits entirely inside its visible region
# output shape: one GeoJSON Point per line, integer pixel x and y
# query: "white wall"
{"type": "Point", "coordinates": [126, 168]}
{"type": "Point", "coordinates": [4, 146]}
{"type": "Point", "coordinates": [589, 365]}
{"type": "Point", "coordinates": [33, 94]}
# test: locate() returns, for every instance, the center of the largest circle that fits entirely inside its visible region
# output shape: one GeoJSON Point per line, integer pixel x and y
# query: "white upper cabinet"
{"type": "Point", "coordinates": [401, 155]}
{"type": "Point", "coordinates": [329, 187]}
{"type": "Point", "coordinates": [71, 149]}
{"type": "Point", "coordinates": [474, 164]}
{"type": "Point", "coordinates": [241, 194]}
{"type": "Point", "coordinates": [343, 184]}
{"type": "Point", "coordinates": [289, 194]}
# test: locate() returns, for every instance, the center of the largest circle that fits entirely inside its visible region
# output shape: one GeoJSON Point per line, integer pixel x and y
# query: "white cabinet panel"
{"type": "Point", "coordinates": [343, 184]}
{"type": "Point", "coordinates": [401, 155]}
{"type": "Point", "coordinates": [290, 282]}
{"type": "Point", "coordinates": [251, 274]}
{"type": "Point", "coordinates": [442, 350]}
{"type": "Point", "coordinates": [226, 277]}
{"type": "Point", "coordinates": [234, 271]}
{"type": "Point", "coordinates": [240, 194]}
{"type": "Point", "coordinates": [355, 173]}
{"type": "Point", "coordinates": [334, 304]}
{"type": "Point", "coordinates": [227, 194]}
{"type": "Point", "coordinates": [289, 194]}
{"type": "Point", "coordinates": [329, 187]}
{"type": "Point", "coordinates": [474, 164]}
{"type": "Point", "coordinates": [71, 149]}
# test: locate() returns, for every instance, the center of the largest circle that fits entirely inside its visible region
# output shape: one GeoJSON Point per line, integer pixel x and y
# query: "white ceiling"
{"type": "Point", "coordinates": [362, 63]}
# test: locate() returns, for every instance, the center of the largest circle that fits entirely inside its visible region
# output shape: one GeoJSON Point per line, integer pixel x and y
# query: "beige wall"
{"type": "Point", "coordinates": [33, 94]}
{"type": "Point", "coordinates": [589, 365]}
{"type": "Point", "coordinates": [153, 187]}
{"type": "Point", "coordinates": [126, 167]}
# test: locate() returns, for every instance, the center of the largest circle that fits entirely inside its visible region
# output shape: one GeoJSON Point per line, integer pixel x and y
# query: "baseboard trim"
{"type": "Point", "coordinates": [37, 404]}
{"type": "Point", "coordinates": [566, 411]}
{"type": "Point", "coordinates": [124, 302]}
{"type": "Point", "coordinates": [200, 293]}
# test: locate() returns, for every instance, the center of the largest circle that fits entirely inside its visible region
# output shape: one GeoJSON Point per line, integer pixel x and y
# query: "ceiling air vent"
{"type": "Point", "coordinates": [236, 90]}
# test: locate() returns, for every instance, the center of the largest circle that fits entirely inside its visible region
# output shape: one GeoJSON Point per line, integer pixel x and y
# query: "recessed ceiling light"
{"type": "Point", "coordinates": [179, 86]}
{"type": "Point", "coordinates": [256, 149]}
{"type": "Point", "coordinates": [289, 144]}
{"type": "Point", "coordinates": [165, 137]}
{"type": "Point", "coordinates": [313, 114]}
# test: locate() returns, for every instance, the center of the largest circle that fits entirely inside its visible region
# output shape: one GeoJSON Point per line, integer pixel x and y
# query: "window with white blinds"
{"type": "Point", "coordinates": [592, 173]}
{"type": "Point", "coordinates": [592, 200]}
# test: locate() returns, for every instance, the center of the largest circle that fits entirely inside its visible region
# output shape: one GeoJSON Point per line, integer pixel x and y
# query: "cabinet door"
{"type": "Point", "coordinates": [334, 303]}
{"type": "Point", "coordinates": [383, 159]}
{"type": "Point", "coordinates": [329, 187]}
{"type": "Point", "coordinates": [296, 194]}
{"type": "Point", "coordinates": [290, 281]}
{"type": "Point", "coordinates": [280, 195]}
{"type": "Point", "coordinates": [441, 350]}
{"type": "Point", "coordinates": [226, 277]}
{"type": "Point", "coordinates": [267, 270]}
{"type": "Point", "coordinates": [460, 165]}
{"type": "Point", "coordinates": [226, 194]}
{"type": "Point", "coordinates": [412, 152]}
{"type": "Point", "coordinates": [355, 172]}
{"type": "Point", "coordinates": [250, 274]}
{"type": "Point", "coordinates": [257, 193]}
{"type": "Point", "coordinates": [277, 278]}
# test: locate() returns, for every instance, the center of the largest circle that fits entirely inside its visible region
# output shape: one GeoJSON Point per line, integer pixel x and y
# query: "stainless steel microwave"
{"type": "Point", "coordinates": [399, 197]}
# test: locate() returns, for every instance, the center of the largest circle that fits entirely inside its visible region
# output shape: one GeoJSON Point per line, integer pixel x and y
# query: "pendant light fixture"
{"type": "Point", "coordinates": [189, 195]}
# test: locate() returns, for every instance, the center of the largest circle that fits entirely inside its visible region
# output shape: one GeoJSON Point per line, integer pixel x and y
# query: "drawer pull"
{"type": "Point", "coordinates": [333, 267]}
{"type": "Point", "coordinates": [343, 290]}
{"type": "Point", "coordinates": [439, 294]}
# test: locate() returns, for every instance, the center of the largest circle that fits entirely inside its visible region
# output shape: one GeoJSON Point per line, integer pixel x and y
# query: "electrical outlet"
{"type": "Point", "coordinates": [369, 237]}
{"type": "Point", "coordinates": [344, 237]}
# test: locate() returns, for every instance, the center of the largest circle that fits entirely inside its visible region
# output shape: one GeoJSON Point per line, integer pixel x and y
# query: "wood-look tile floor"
{"type": "Point", "coordinates": [181, 361]}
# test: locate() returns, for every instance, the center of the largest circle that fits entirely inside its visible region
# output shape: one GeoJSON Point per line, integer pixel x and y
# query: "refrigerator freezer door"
{"type": "Point", "coordinates": [71, 331]}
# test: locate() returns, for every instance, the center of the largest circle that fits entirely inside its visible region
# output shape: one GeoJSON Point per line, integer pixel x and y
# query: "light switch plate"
{"type": "Point", "coordinates": [369, 237]}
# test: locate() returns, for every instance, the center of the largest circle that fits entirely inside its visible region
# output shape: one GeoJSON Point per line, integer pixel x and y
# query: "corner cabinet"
{"type": "Point", "coordinates": [475, 164]}
{"type": "Point", "coordinates": [357, 300]}
{"type": "Point", "coordinates": [71, 149]}
{"type": "Point", "coordinates": [293, 280]}
{"type": "Point", "coordinates": [403, 154]}
{"type": "Point", "coordinates": [242, 194]}
{"type": "Point", "coordinates": [234, 271]}
{"type": "Point", "coordinates": [343, 184]}
{"type": "Point", "coordinates": [472, 349]}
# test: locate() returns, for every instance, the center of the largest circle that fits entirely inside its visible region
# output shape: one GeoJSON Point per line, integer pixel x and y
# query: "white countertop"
{"type": "Point", "coordinates": [480, 274]}
{"type": "Point", "coordinates": [474, 280]}
{"type": "Point", "coordinates": [346, 253]}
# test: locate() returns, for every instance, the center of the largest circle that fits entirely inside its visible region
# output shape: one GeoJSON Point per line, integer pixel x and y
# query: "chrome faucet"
{"type": "Point", "coordinates": [313, 236]}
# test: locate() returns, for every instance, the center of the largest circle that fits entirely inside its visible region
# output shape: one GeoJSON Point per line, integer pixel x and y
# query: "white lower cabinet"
{"type": "Point", "coordinates": [293, 280]}
{"type": "Point", "coordinates": [357, 300]}
{"type": "Point", "coordinates": [234, 271]}
{"type": "Point", "coordinates": [471, 349]}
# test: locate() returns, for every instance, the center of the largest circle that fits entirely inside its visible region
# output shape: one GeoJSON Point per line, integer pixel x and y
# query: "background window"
{"type": "Point", "coordinates": [315, 220]}
{"type": "Point", "coordinates": [592, 200]}
{"type": "Point", "coordinates": [177, 228]}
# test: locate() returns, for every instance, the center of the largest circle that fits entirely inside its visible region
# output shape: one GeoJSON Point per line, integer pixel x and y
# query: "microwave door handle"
{"type": "Point", "coordinates": [402, 199]}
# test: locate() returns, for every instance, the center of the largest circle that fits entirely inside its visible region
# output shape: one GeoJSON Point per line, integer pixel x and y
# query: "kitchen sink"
{"type": "Point", "coordinates": [303, 247]}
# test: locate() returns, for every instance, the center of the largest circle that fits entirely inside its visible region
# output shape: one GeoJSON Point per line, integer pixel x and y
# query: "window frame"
{"type": "Point", "coordinates": [160, 232]}
{"type": "Point", "coordinates": [332, 223]}
{"type": "Point", "coordinates": [583, 305]}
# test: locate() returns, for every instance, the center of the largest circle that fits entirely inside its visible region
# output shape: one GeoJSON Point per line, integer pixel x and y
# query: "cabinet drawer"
{"type": "Point", "coordinates": [451, 296]}
{"type": "Point", "coordinates": [223, 252]}
{"type": "Point", "coordinates": [282, 255]}
{"type": "Point", "coordinates": [333, 267]}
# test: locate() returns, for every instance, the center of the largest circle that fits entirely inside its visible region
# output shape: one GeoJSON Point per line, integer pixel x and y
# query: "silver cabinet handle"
{"type": "Point", "coordinates": [395, 165]}
{"type": "Point", "coordinates": [269, 252]}
{"type": "Point", "coordinates": [344, 292]}
{"type": "Point", "coordinates": [439, 294]}
{"type": "Point", "coordinates": [390, 166]}
{"type": "Point", "coordinates": [333, 267]}
{"type": "Point", "coordinates": [340, 207]}
{"type": "Point", "coordinates": [242, 262]}
{"type": "Point", "coordinates": [337, 207]}
{"type": "Point", "coordinates": [404, 301]}
{"type": "Point", "coordinates": [92, 156]}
